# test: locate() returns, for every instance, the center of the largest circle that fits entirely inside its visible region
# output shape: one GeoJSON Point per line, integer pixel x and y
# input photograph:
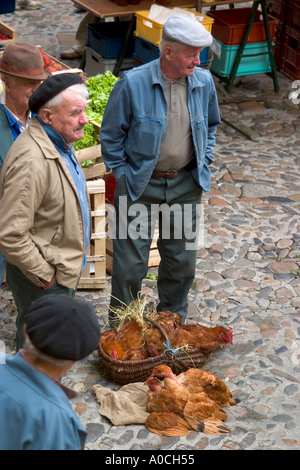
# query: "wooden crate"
{"type": "Point", "coordinates": [154, 257]}
{"type": "Point", "coordinates": [92, 153]}
{"type": "Point", "coordinates": [8, 31]}
{"type": "Point", "coordinates": [94, 274]}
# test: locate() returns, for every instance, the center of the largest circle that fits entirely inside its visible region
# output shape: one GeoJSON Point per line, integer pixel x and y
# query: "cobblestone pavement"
{"type": "Point", "coordinates": [248, 269]}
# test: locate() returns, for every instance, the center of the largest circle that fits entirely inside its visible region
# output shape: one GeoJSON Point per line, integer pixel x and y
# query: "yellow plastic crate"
{"type": "Point", "coordinates": [151, 30]}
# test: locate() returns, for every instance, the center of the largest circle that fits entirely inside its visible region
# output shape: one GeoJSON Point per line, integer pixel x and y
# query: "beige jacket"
{"type": "Point", "coordinates": [41, 226]}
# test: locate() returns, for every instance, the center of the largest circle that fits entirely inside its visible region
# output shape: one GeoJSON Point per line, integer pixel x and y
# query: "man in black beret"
{"type": "Point", "coordinates": [44, 209]}
{"type": "Point", "coordinates": [35, 412]}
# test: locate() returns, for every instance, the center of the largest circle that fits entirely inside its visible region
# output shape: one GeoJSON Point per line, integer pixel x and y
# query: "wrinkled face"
{"type": "Point", "coordinates": [68, 118]}
{"type": "Point", "coordinates": [20, 90]}
{"type": "Point", "coordinates": [184, 60]}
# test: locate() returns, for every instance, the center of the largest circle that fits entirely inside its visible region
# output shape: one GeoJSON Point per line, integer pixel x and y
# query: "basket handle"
{"type": "Point", "coordinates": [157, 326]}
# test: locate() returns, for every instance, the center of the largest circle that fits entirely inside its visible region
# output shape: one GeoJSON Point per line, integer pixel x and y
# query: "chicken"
{"type": "Point", "coordinates": [139, 354]}
{"type": "Point", "coordinates": [201, 337]}
{"type": "Point", "coordinates": [194, 336]}
{"type": "Point", "coordinates": [198, 411]}
{"type": "Point", "coordinates": [117, 344]}
{"type": "Point", "coordinates": [167, 424]}
{"type": "Point", "coordinates": [169, 322]}
{"type": "Point", "coordinates": [197, 381]}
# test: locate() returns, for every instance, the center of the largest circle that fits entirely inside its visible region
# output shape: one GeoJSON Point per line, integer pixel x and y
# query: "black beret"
{"type": "Point", "coordinates": [63, 327]}
{"type": "Point", "coordinates": [51, 87]}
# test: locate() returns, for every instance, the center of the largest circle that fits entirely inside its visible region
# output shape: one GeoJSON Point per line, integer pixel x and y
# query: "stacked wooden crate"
{"type": "Point", "coordinates": [287, 48]}
{"type": "Point", "coordinates": [228, 30]}
{"type": "Point", "coordinates": [94, 273]}
{"type": "Point", "coordinates": [148, 34]}
{"type": "Point", "coordinates": [8, 33]}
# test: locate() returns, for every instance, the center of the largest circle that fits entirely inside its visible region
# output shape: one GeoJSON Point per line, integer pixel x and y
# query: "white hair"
{"type": "Point", "coordinates": [176, 46]}
{"type": "Point", "coordinates": [40, 356]}
{"type": "Point", "coordinates": [79, 90]}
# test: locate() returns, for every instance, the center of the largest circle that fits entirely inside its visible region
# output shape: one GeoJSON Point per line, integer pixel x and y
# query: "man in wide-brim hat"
{"type": "Point", "coordinates": [22, 71]}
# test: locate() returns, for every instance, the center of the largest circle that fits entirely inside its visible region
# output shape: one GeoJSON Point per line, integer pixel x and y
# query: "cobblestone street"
{"type": "Point", "coordinates": [248, 269]}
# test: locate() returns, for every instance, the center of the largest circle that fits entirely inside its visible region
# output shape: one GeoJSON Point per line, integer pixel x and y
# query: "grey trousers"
{"type": "Point", "coordinates": [24, 293]}
{"type": "Point", "coordinates": [176, 203]}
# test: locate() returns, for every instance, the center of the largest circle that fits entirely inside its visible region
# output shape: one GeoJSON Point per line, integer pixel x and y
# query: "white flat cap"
{"type": "Point", "coordinates": [186, 30]}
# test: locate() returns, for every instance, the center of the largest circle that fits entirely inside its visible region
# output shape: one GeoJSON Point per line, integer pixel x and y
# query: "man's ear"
{"type": "Point", "coordinates": [46, 115]}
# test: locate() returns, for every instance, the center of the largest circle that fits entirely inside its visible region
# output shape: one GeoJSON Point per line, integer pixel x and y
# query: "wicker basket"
{"type": "Point", "coordinates": [124, 372]}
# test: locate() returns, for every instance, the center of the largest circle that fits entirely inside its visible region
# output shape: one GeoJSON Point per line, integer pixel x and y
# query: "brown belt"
{"type": "Point", "coordinates": [167, 174]}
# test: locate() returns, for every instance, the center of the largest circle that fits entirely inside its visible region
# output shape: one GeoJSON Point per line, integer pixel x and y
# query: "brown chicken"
{"type": "Point", "coordinates": [198, 411]}
{"type": "Point", "coordinates": [117, 343]}
{"type": "Point", "coordinates": [201, 337]}
{"type": "Point", "coordinates": [194, 335]}
{"type": "Point", "coordinates": [197, 381]}
{"type": "Point", "coordinates": [169, 322]}
{"type": "Point", "coordinates": [167, 424]}
{"type": "Point", "coordinates": [127, 344]}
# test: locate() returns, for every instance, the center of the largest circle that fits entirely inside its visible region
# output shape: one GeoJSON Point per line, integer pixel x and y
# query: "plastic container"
{"type": "Point", "coordinates": [255, 59]}
{"type": "Point", "coordinates": [7, 6]}
{"type": "Point", "coordinates": [152, 30]}
{"type": "Point", "coordinates": [230, 24]}
{"type": "Point", "coordinates": [96, 64]}
{"type": "Point", "coordinates": [147, 51]}
{"type": "Point", "coordinates": [107, 38]}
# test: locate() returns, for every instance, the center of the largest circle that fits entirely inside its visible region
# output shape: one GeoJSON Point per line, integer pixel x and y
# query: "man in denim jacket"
{"type": "Point", "coordinates": [157, 136]}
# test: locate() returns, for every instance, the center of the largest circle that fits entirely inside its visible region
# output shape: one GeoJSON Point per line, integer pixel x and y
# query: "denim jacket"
{"type": "Point", "coordinates": [135, 121]}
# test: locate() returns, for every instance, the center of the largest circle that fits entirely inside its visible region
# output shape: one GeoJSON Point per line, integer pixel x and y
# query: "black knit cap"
{"type": "Point", "coordinates": [63, 327]}
{"type": "Point", "coordinates": [51, 87]}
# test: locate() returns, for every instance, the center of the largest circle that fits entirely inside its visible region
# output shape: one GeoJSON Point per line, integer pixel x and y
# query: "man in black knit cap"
{"type": "Point", "coordinates": [35, 412]}
{"type": "Point", "coordinates": [44, 209]}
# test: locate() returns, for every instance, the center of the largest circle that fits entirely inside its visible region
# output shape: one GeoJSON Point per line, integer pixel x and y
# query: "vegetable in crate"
{"type": "Point", "coordinates": [99, 88]}
{"type": "Point", "coordinates": [89, 139]}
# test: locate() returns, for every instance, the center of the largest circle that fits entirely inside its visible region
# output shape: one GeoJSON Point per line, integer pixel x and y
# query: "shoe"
{"type": "Point", "coordinates": [27, 5]}
{"type": "Point", "coordinates": [71, 54]}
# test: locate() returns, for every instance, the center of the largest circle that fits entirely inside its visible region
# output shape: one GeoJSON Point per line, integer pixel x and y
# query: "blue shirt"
{"type": "Point", "coordinates": [66, 152]}
{"type": "Point", "coordinates": [35, 413]}
{"type": "Point", "coordinates": [16, 126]}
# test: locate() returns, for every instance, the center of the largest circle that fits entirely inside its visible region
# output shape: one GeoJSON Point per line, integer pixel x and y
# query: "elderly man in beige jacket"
{"type": "Point", "coordinates": [44, 209]}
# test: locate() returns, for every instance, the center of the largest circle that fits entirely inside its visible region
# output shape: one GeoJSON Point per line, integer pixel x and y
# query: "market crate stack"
{"type": "Point", "coordinates": [287, 47]}
{"type": "Point", "coordinates": [228, 29]}
{"type": "Point", "coordinates": [94, 274]}
{"type": "Point", "coordinates": [104, 45]}
{"type": "Point", "coordinates": [148, 34]}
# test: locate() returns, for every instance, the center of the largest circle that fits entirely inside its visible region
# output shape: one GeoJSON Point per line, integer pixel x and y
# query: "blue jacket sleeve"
{"type": "Point", "coordinates": [114, 127]}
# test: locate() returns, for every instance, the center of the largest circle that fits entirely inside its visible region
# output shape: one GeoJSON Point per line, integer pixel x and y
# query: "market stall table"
{"type": "Point", "coordinates": [107, 8]}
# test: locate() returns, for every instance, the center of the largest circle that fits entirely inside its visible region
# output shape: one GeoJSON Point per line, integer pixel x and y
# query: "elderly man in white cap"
{"type": "Point", "coordinates": [158, 135]}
